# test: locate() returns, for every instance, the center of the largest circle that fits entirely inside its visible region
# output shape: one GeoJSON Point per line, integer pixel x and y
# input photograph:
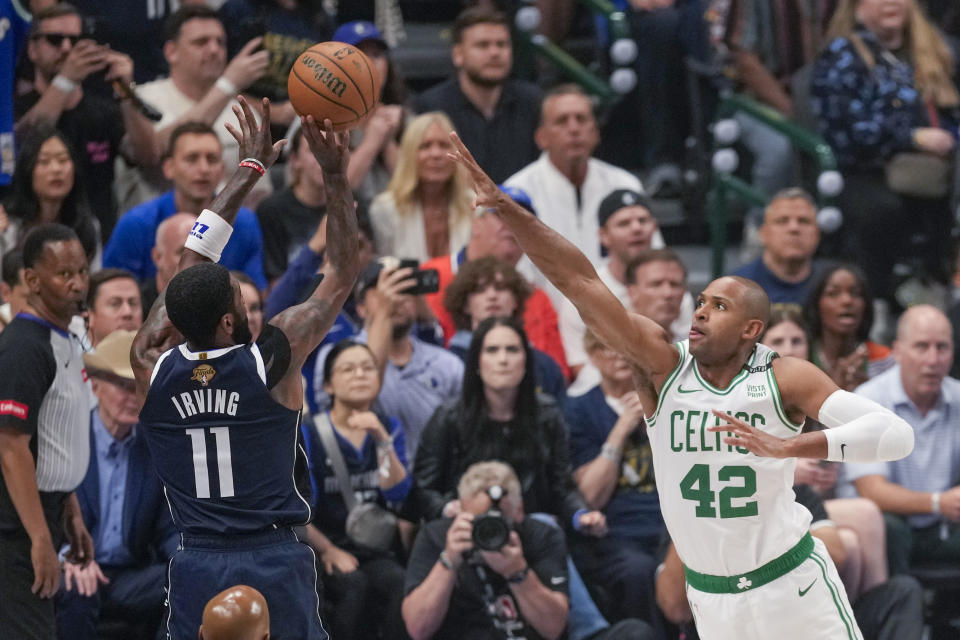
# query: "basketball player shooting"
{"type": "Point", "coordinates": [724, 417]}
{"type": "Point", "coordinates": [221, 413]}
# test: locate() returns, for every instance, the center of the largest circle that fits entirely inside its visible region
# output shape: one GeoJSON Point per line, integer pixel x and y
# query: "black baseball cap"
{"type": "Point", "coordinates": [616, 200]}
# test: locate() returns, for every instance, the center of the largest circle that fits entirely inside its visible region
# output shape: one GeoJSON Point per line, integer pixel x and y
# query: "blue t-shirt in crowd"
{"type": "Point", "coordinates": [14, 26]}
{"type": "Point", "coordinates": [634, 508]}
{"type": "Point", "coordinates": [135, 234]}
{"type": "Point", "coordinates": [779, 291]}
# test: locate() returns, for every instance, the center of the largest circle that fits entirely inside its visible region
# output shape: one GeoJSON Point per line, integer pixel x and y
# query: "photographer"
{"type": "Point", "coordinates": [454, 589]}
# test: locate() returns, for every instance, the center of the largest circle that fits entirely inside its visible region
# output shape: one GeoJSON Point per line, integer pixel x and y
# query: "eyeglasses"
{"type": "Point", "coordinates": [56, 39]}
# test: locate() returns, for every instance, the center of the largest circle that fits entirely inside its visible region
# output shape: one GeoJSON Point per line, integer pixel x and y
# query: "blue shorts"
{"type": "Point", "coordinates": [275, 563]}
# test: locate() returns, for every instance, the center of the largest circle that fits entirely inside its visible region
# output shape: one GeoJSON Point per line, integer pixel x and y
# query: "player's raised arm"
{"type": "Point", "coordinates": [640, 339]}
{"type": "Point", "coordinates": [210, 233]}
{"type": "Point", "coordinates": [307, 323]}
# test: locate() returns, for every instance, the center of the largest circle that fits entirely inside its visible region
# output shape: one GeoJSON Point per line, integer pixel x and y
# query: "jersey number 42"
{"type": "Point", "coordinates": [695, 486]}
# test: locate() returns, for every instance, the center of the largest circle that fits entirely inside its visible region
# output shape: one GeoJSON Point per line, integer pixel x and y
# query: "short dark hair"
{"type": "Point", "coordinates": [191, 127]}
{"type": "Point", "coordinates": [102, 277]}
{"type": "Point", "coordinates": [57, 10]}
{"type": "Point", "coordinates": [196, 299]}
{"type": "Point", "coordinates": [566, 89]}
{"type": "Point", "coordinates": [474, 16]}
{"type": "Point", "coordinates": [10, 269]}
{"type": "Point", "coordinates": [42, 235]}
{"type": "Point", "coordinates": [174, 24]}
{"type": "Point", "coordinates": [476, 274]}
{"type": "Point", "coordinates": [652, 255]}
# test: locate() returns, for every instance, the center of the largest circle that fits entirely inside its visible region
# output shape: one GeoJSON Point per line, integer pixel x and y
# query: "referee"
{"type": "Point", "coordinates": [44, 442]}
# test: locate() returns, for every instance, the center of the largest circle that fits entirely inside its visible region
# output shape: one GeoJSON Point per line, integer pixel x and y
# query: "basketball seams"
{"type": "Point", "coordinates": [347, 76]}
{"type": "Point", "coordinates": [327, 98]}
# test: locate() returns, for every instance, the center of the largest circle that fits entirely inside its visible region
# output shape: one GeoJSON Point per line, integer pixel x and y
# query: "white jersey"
{"type": "Point", "coordinates": [728, 511]}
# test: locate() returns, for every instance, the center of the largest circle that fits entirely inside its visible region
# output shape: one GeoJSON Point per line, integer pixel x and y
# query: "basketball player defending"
{"type": "Point", "coordinates": [221, 414]}
{"type": "Point", "coordinates": [723, 415]}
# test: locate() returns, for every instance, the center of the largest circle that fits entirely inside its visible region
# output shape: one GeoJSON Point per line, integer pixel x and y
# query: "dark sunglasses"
{"type": "Point", "coordinates": [56, 39]}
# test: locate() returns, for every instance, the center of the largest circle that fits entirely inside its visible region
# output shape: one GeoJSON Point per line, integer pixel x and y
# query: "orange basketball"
{"type": "Point", "coordinates": [334, 80]}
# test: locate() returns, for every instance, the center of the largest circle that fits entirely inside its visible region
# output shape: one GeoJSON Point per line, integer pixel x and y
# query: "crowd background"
{"type": "Point", "coordinates": [112, 124]}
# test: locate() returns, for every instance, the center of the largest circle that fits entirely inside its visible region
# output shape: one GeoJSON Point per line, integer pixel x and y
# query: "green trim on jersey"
{"type": "Point", "coordinates": [779, 566]}
{"type": "Point", "coordinates": [777, 400]}
{"type": "Point", "coordinates": [846, 616]}
{"type": "Point", "coordinates": [671, 378]}
{"type": "Point", "coordinates": [737, 379]}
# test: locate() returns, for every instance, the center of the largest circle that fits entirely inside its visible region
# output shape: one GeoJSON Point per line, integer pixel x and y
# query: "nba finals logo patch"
{"type": "Point", "coordinates": [756, 390]}
{"type": "Point", "coordinates": [204, 374]}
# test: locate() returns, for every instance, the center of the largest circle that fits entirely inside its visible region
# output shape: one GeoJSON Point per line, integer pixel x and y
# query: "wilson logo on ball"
{"type": "Point", "coordinates": [324, 75]}
{"type": "Point", "coordinates": [334, 81]}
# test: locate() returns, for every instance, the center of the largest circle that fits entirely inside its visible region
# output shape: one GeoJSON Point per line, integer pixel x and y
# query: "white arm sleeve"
{"type": "Point", "coordinates": [860, 430]}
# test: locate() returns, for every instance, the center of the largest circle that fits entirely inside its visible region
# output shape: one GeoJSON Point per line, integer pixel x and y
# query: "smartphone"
{"type": "Point", "coordinates": [427, 280]}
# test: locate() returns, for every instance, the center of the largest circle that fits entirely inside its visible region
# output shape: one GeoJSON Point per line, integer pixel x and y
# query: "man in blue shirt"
{"type": "Point", "coordinates": [194, 164]}
{"type": "Point", "coordinates": [15, 21]}
{"type": "Point", "coordinates": [122, 502]}
{"type": "Point", "coordinates": [790, 237]}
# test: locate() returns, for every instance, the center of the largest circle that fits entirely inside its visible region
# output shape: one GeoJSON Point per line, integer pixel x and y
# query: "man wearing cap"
{"type": "Point", "coordinates": [490, 237]}
{"type": "Point", "coordinates": [417, 376]}
{"type": "Point", "coordinates": [627, 230]}
{"type": "Point", "coordinates": [491, 111]}
{"type": "Point", "coordinates": [122, 502]}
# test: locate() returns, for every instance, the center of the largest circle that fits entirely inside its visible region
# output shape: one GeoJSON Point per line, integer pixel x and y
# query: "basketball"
{"type": "Point", "coordinates": [334, 80]}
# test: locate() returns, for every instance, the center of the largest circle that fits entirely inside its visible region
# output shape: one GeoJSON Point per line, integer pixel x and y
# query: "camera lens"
{"type": "Point", "coordinates": [490, 531]}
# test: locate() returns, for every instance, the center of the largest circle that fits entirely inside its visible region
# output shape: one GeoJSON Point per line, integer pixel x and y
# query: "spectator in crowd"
{"type": "Point", "coordinates": [884, 87]}
{"type": "Point", "coordinates": [252, 302]}
{"type": "Point", "coordinates": [839, 315]}
{"type": "Point", "coordinates": [237, 613]}
{"type": "Point", "coordinates": [47, 187]}
{"type": "Point", "coordinates": [13, 288]}
{"type": "Point", "coordinates": [858, 520]}
{"type": "Point", "coordinates": [374, 144]}
{"type": "Point", "coordinates": [566, 184]}
{"type": "Point", "coordinates": [195, 165]}
{"type": "Point", "coordinates": [122, 502]}
{"type": "Point", "coordinates": [113, 302]}
{"type": "Point", "coordinates": [789, 236]}
{"type": "Point", "coordinates": [426, 210]}
{"type": "Point", "coordinates": [417, 376]}
{"type": "Point", "coordinates": [490, 237]}
{"type": "Point", "coordinates": [362, 585]}
{"type": "Point", "coordinates": [201, 87]}
{"type": "Point", "coordinates": [613, 468]}
{"type": "Point", "coordinates": [99, 128]}
{"type": "Point", "coordinates": [490, 110]}
{"type": "Point", "coordinates": [893, 609]}
{"type": "Point", "coordinates": [919, 494]}
{"type": "Point", "coordinates": [485, 288]}
{"type": "Point", "coordinates": [627, 229]}
{"type": "Point", "coordinates": [290, 216]}
{"type": "Point", "coordinates": [454, 589]}
{"type": "Point", "coordinates": [166, 252]}
{"type": "Point", "coordinates": [45, 407]}
{"type": "Point", "coordinates": [17, 15]}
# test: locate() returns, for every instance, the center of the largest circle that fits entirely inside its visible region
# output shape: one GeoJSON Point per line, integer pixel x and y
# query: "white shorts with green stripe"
{"type": "Point", "coordinates": [808, 603]}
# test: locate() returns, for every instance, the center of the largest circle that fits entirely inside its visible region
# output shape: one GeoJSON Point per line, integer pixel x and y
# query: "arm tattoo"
{"type": "Point", "coordinates": [156, 336]}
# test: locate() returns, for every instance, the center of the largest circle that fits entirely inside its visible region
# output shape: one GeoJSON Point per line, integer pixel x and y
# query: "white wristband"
{"type": "Point", "coordinates": [935, 502]}
{"type": "Point", "coordinates": [223, 83]}
{"type": "Point", "coordinates": [63, 83]}
{"type": "Point", "coordinates": [209, 235]}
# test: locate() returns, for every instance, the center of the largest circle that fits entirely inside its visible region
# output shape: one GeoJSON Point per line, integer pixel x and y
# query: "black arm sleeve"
{"type": "Point", "coordinates": [275, 350]}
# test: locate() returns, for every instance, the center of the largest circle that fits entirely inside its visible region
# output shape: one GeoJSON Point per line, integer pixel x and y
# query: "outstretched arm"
{"type": "Point", "coordinates": [307, 323]}
{"type": "Point", "coordinates": [157, 333]}
{"type": "Point", "coordinates": [637, 337]}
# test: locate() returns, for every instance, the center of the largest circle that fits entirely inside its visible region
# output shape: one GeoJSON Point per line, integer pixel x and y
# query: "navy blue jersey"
{"type": "Point", "coordinates": [224, 448]}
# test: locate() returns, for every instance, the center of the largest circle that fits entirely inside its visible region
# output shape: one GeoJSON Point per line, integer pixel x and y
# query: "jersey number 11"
{"type": "Point", "coordinates": [198, 438]}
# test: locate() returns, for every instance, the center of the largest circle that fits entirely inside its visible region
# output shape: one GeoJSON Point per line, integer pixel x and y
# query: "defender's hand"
{"type": "Point", "coordinates": [255, 139]}
{"type": "Point", "coordinates": [756, 441]}
{"type": "Point", "coordinates": [486, 189]}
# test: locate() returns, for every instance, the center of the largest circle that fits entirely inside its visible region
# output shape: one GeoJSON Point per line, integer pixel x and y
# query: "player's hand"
{"type": "Point", "coordinates": [336, 560]}
{"type": "Point", "coordinates": [593, 523]}
{"type": "Point", "coordinates": [743, 435]}
{"type": "Point", "coordinates": [632, 414]}
{"type": "Point", "coordinates": [254, 138]}
{"type": "Point", "coordinates": [248, 65]}
{"type": "Point", "coordinates": [46, 569]}
{"type": "Point", "coordinates": [119, 67]}
{"type": "Point", "coordinates": [87, 579]}
{"type": "Point", "coordinates": [950, 504]}
{"type": "Point", "coordinates": [331, 149]}
{"type": "Point", "coordinates": [85, 57]}
{"type": "Point", "coordinates": [509, 559]}
{"type": "Point", "coordinates": [459, 538]}
{"type": "Point", "coordinates": [488, 194]}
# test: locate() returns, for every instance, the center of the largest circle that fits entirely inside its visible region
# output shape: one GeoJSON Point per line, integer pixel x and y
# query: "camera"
{"type": "Point", "coordinates": [428, 280]}
{"type": "Point", "coordinates": [491, 530]}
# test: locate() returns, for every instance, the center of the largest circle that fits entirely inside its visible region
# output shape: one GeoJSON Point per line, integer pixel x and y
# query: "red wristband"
{"type": "Point", "coordinates": [253, 163]}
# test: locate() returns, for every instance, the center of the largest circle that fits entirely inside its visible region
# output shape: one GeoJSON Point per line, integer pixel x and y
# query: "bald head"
{"type": "Point", "coordinates": [756, 303]}
{"type": "Point", "coordinates": [924, 351]}
{"type": "Point", "coordinates": [168, 246]}
{"type": "Point", "coordinates": [923, 316]}
{"type": "Point", "coordinates": [237, 613]}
